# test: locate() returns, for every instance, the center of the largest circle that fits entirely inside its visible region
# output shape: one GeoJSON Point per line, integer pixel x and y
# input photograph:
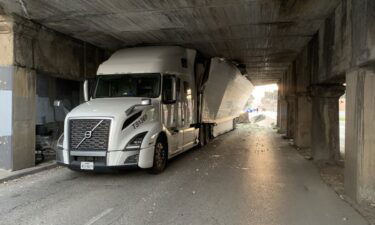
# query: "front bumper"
{"type": "Point", "coordinates": [107, 160]}
{"type": "Point", "coordinates": [98, 167]}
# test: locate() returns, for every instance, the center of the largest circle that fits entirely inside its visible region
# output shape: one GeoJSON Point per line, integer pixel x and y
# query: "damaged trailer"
{"type": "Point", "coordinates": [224, 96]}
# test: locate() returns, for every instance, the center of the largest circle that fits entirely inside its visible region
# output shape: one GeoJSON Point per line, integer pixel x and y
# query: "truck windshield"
{"type": "Point", "coordinates": [128, 85]}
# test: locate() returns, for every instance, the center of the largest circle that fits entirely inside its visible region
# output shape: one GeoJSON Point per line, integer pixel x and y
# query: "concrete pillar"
{"type": "Point", "coordinates": [278, 110]}
{"type": "Point", "coordinates": [24, 109]}
{"type": "Point", "coordinates": [282, 106]}
{"type": "Point", "coordinates": [27, 47]}
{"type": "Point", "coordinates": [291, 110]}
{"type": "Point", "coordinates": [325, 140]}
{"type": "Point", "coordinates": [360, 135]}
{"type": "Point", "coordinates": [302, 134]}
{"type": "Point", "coordinates": [17, 111]}
{"type": "Point", "coordinates": [282, 115]}
{"type": "Point", "coordinates": [6, 92]}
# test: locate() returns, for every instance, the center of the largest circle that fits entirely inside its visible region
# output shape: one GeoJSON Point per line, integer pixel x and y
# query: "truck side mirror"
{"type": "Point", "coordinates": [169, 89]}
{"type": "Point", "coordinates": [57, 103]}
{"type": "Point", "coordinates": [60, 104]}
{"type": "Point", "coordinates": [86, 90]}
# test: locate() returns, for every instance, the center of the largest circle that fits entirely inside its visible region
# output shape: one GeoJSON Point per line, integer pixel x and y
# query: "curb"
{"type": "Point", "coordinates": [29, 171]}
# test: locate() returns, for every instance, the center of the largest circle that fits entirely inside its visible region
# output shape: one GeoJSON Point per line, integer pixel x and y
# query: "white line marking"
{"type": "Point", "coordinates": [98, 217]}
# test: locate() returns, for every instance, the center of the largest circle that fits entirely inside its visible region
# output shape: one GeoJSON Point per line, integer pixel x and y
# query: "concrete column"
{"type": "Point", "coordinates": [17, 111]}
{"type": "Point", "coordinates": [291, 110]}
{"type": "Point", "coordinates": [360, 135]}
{"type": "Point", "coordinates": [6, 91]}
{"type": "Point", "coordinates": [24, 109]}
{"type": "Point", "coordinates": [26, 47]}
{"type": "Point", "coordinates": [282, 115]}
{"type": "Point", "coordinates": [278, 110]}
{"type": "Point", "coordinates": [302, 134]}
{"type": "Point", "coordinates": [325, 139]}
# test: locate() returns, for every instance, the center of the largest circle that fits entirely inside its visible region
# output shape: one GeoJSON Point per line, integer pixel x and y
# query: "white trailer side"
{"type": "Point", "coordinates": [225, 94]}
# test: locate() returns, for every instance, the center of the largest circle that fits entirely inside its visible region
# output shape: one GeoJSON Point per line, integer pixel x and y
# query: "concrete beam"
{"type": "Point", "coordinates": [363, 32]}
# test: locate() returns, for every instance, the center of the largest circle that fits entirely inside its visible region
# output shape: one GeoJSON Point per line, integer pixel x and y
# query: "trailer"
{"type": "Point", "coordinates": [225, 94]}
{"type": "Point", "coordinates": [148, 105]}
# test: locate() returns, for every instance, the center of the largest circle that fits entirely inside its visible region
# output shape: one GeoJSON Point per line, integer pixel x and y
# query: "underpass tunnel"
{"type": "Point", "coordinates": [309, 48]}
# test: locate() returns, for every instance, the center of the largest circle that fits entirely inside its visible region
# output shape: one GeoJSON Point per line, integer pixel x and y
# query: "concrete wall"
{"type": "Point", "coordinates": [360, 135]}
{"type": "Point", "coordinates": [296, 84]}
{"type": "Point", "coordinates": [44, 50]}
{"type": "Point", "coordinates": [347, 47]}
{"type": "Point", "coordinates": [323, 61]}
{"type": "Point", "coordinates": [360, 125]}
{"type": "Point", "coordinates": [30, 49]}
{"type": "Point", "coordinates": [6, 91]}
{"type": "Point", "coordinates": [23, 122]}
{"type": "Point", "coordinates": [303, 107]}
{"type": "Point", "coordinates": [282, 107]}
{"type": "Point", "coordinates": [290, 97]}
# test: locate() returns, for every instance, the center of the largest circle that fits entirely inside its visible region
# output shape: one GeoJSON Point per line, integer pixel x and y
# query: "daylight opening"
{"type": "Point", "coordinates": [262, 107]}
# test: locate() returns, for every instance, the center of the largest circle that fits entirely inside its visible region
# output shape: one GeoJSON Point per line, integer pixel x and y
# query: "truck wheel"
{"type": "Point", "coordinates": [207, 133]}
{"type": "Point", "coordinates": [202, 136]}
{"type": "Point", "coordinates": [160, 157]}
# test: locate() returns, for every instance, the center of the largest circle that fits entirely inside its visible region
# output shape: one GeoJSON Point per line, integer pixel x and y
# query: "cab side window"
{"type": "Point", "coordinates": [169, 89]}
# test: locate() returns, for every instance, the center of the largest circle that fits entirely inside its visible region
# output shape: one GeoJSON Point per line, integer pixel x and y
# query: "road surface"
{"type": "Point", "coordinates": [249, 176]}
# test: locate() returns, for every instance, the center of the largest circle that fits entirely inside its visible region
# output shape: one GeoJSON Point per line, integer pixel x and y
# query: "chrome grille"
{"type": "Point", "coordinates": [79, 139]}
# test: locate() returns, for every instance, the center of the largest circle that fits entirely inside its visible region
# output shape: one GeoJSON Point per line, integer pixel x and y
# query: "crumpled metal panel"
{"type": "Point", "coordinates": [226, 92]}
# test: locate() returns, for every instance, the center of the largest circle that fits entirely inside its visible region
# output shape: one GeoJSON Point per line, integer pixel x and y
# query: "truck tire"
{"type": "Point", "coordinates": [160, 157]}
{"type": "Point", "coordinates": [207, 132]}
{"type": "Point", "coordinates": [202, 136]}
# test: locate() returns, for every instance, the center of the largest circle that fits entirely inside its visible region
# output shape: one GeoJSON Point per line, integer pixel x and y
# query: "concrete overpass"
{"type": "Point", "coordinates": [311, 48]}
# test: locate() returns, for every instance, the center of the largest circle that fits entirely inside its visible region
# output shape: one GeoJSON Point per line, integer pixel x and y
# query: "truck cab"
{"type": "Point", "coordinates": [143, 111]}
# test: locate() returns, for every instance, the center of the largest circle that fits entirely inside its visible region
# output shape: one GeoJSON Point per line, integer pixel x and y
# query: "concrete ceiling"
{"type": "Point", "coordinates": [266, 35]}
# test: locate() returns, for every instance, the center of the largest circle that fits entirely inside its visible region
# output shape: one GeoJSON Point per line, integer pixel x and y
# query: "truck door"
{"type": "Point", "coordinates": [179, 115]}
{"type": "Point", "coordinates": [172, 113]}
{"type": "Point", "coordinates": [187, 115]}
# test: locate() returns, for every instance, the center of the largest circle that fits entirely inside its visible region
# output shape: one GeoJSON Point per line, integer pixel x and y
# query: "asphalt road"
{"type": "Point", "coordinates": [249, 176]}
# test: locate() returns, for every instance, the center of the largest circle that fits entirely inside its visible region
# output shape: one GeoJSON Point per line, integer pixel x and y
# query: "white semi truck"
{"type": "Point", "coordinates": [148, 105]}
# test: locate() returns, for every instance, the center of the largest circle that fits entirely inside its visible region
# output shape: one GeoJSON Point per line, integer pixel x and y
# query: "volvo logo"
{"type": "Point", "coordinates": [88, 134]}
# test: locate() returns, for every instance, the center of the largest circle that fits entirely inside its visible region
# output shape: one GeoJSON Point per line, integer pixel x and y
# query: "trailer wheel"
{"type": "Point", "coordinates": [160, 157]}
{"type": "Point", "coordinates": [208, 133]}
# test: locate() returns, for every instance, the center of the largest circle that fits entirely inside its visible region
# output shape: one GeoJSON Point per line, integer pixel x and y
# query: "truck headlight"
{"type": "Point", "coordinates": [136, 142]}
